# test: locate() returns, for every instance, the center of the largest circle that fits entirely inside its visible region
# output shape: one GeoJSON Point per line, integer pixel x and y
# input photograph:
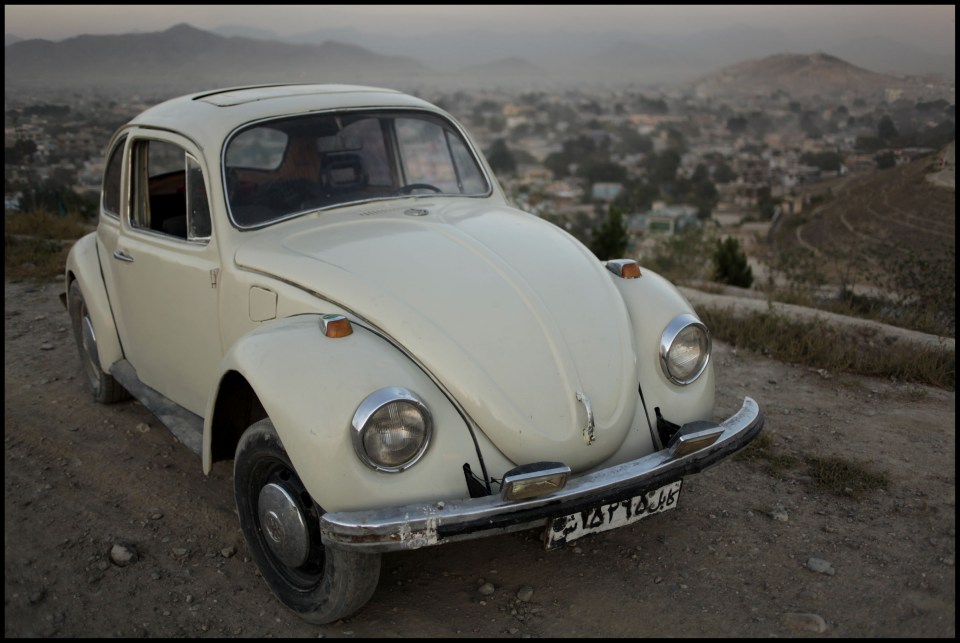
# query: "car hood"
{"type": "Point", "coordinates": [508, 312]}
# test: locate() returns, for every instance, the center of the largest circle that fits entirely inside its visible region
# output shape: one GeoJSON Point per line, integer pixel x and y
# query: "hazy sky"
{"type": "Point", "coordinates": [928, 27]}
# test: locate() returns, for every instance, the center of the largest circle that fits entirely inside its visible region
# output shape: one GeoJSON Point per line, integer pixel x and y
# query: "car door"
{"type": "Point", "coordinates": [161, 268]}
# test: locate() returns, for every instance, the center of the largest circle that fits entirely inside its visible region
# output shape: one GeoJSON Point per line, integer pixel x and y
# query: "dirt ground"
{"type": "Point", "coordinates": [745, 554]}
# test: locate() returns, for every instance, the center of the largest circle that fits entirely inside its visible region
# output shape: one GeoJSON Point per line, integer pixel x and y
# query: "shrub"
{"type": "Point", "coordinates": [730, 264]}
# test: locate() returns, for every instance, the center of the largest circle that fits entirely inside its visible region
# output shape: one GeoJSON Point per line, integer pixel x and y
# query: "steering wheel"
{"type": "Point", "coordinates": [409, 188]}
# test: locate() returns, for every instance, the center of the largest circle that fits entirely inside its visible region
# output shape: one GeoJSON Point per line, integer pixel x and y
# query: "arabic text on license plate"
{"type": "Point", "coordinates": [566, 529]}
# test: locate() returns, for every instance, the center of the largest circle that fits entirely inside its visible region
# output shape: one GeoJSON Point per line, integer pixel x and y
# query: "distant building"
{"type": "Point", "coordinates": [664, 218]}
{"type": "Point", "coordinates": [606, 191]}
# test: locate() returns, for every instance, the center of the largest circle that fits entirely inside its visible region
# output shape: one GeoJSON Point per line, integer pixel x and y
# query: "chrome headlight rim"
{"type": "Point", "coordinates": [670, 333]}
{"type": "Point", "coordinates": [373, 403]}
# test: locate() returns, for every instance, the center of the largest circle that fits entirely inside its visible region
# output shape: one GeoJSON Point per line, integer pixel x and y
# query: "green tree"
{"type": "Point", "coordinates": [597, 171]}
{"type": "Point", "coordinates": [500, 157]}
{"type": "Point", "coordinates": [886, 130]}
{"type": "Point", "coordinates": [885, 160]}
{"type": "Point", "coordinates": [826, 161]}
{"type": "Point", "coordinates": [575, 150]}
{"type": "Point", "coordinates": [610, 240]}
{"type": "Point", "coordinates": [723, 173]}
{"type": "Point", "coordinates": [737, 125]}
{"type": "Point", "coordinates": [662, 168]}
{"type": "Point", "coordinates": [730, 264]}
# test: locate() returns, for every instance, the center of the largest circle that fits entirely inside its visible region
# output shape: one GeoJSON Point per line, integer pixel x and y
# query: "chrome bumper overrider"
{"type": "Point", "coordinates": [424, 524]}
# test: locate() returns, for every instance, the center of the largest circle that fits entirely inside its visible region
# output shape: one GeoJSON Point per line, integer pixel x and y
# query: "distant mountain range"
{"type": "Point", "coordinates": [187, 58]}
{"type": "Point", "coordinates": [183, 58]}
{"type": "Point", "coordinates": [705, 50]}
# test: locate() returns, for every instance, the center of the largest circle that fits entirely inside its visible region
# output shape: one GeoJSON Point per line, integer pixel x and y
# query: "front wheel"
{"type": "Point", "coordinates": [281, 524]}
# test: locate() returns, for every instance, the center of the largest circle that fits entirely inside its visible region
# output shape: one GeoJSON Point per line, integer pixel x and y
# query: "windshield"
{"type": "Point", "coordinates": [277, 169]}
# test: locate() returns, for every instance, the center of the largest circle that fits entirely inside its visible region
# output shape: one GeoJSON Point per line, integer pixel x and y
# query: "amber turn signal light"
{"type": "Point", "coordinates": [624, 268]}
{"type": "Point", "coordinates": [335, 326]}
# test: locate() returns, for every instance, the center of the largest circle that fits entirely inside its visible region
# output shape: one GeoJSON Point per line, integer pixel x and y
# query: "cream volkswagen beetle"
{"type": "Point", "coordinates": [327, 285]}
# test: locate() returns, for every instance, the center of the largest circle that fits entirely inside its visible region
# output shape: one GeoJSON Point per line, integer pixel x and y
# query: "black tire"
{"type": "Point", "coordinates": [104, 388]}
{"type": "Point", "coordinates": [321, 584]}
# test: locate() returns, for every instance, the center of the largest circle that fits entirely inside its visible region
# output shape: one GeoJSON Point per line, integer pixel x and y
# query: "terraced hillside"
{"type": "Point", "coordinates": [891, 234]}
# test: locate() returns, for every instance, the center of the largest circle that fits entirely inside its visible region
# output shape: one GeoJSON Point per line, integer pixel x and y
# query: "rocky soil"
{"type": "Point", "coordinates": [112, 530]}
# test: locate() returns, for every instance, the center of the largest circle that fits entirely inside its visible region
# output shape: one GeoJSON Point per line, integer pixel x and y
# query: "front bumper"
{"type": "Point", "coordinates": [425, 524]}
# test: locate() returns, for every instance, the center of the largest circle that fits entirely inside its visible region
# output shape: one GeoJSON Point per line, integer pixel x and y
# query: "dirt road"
{"type": "Point", "coordinates": [745, 554]}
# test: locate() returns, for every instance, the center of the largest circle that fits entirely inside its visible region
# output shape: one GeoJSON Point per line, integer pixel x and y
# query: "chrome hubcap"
{"type": "Point", "coordinates": [283, 525]}
{"type": "Point", "coordinates": [89, 339]}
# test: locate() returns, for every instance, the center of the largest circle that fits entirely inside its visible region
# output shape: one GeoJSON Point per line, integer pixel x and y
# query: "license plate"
{"type": "Point", "coordinates": [566, 529]}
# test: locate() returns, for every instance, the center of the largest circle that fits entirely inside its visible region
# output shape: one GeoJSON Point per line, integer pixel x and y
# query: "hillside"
{"type": "Point", "coordinates": [799, 75]}
{"type": "Point", "coordinates": [892, 231]}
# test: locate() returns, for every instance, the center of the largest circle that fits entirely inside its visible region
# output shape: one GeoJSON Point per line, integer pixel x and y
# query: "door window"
{"type": "Point", "coordinates": [112, 180]}
{"type": "Point", "coordinates": [169, 193]}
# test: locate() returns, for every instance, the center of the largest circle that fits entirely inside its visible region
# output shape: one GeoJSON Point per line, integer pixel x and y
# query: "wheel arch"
{"type": "Point", "coordinates": [235, 408]}
{"type": "Point", "coordinates": [310, 386]}
{"type": "Point", "coordinates": [83, 267]}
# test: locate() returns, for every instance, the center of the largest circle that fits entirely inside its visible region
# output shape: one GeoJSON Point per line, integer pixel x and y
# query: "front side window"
{"type": "Point", "coordinates": [277, 169]}
{"type": "Point", "coordinates": [168, 192]}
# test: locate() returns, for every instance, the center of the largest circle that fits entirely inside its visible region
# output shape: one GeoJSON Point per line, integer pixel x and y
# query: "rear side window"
{"type": "Point", "coordinates": [112, 180]}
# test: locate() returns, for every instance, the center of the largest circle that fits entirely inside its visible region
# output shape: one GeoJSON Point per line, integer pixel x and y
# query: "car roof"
{"type": "Point", "coordinates": [208, 117]}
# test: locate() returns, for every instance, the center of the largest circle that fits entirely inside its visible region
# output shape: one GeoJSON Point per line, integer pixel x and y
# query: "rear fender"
{"type": "Point", "coordinates": [310, 387]}
{"type": "Point", "coordinates": [83, 266]}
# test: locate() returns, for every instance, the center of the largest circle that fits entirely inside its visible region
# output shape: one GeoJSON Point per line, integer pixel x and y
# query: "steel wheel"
{"type": "Point", "coordinates": [281, 524]}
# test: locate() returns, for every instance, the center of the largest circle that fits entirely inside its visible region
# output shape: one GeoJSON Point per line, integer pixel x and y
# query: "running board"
{"type": "Point", "coordinates": [185, 426]}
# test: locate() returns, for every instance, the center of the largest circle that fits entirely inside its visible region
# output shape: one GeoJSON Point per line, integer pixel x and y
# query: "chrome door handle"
{"type": "Point", "coordinates": [122, 256]}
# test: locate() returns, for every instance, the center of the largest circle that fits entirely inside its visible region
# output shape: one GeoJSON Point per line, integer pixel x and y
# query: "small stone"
{"type": "Point", "coordinates": [820, 566]}
{"type": "Point", "coordinates": [46, 347]}
{"type": "Point", "coordinates": [525, 593]}
{"type": "Point", "coordinates": [658, 580]}
{"type": "Point", "coordinates": [228, 552]}
{"type": "Point", "coordinates": [487, 589]}
{"type": "Point", "coordinates": [179, 551]}
{"type": "Point", "coordinates": [805, 622]}
{"type": "Point", "coordinates": [779, 515]}
{"type": "Point", "coordinates": [156, 515]}
{"type": "Point", "coordinates": [123, 555]}
{"type": "Point", "coordinates": [143, 427]}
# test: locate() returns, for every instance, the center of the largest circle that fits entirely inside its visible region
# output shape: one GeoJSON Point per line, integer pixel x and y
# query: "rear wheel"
{"type": "Point", "coordinates": [105, 389]}
{"type": "Point", "coordinates": [281, 524]}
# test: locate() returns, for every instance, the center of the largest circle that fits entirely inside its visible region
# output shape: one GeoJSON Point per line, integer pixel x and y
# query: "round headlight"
{"type": "Point", "coordinates": [391, 429]}
{"type": "Point", "coordinates": [684, 349]}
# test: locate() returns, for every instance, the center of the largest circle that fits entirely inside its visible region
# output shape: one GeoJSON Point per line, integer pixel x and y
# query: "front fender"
{"type": "Point", "coordinates": [652, 302]}
{"type": "Point", "coordinates": [83, 265]}
{"type": "Point", "coordinates": [311, 385]}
